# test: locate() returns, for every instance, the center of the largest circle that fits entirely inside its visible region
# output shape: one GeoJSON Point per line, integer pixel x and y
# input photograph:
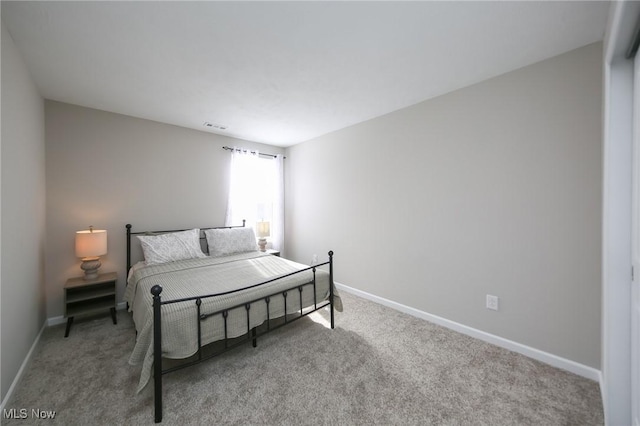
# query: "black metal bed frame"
{"type": "Point", "coordinates": [252, 333]}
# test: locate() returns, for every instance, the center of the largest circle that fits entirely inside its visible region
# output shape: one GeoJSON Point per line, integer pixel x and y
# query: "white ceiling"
{"type": "Point", "coordinates": [283, 72]}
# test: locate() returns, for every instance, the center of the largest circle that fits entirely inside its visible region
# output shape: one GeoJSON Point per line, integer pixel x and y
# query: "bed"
{"type": "Point", "coordinates": [202, 286]}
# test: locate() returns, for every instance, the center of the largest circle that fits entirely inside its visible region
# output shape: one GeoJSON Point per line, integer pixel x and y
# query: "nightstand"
{"type": "Point", "coordinates": [88, 296]}
{"type": "Point", "coordinates": [273, 252]}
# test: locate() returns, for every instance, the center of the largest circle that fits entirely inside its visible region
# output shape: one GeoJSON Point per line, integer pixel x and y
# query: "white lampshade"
{"type": "Point", "coordinates": [263, 229]}
{"type": "Point", "coordinates": [91, 243]}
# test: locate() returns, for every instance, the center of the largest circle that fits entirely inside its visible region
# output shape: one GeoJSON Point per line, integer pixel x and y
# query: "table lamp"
{"type": "Point", "coordinates": [263, 232]}
{"type": "Point", "coordinates": [90, 245]}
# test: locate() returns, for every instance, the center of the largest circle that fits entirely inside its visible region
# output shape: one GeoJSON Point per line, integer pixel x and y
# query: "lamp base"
{"type": "Point", "coordinates": [262, 243]}
{"type": "Point", "coordinates": [90, 266]}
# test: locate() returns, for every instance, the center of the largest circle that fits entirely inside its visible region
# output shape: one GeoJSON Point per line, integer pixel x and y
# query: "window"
{"type": "Point", "coordinates": [256, 193]}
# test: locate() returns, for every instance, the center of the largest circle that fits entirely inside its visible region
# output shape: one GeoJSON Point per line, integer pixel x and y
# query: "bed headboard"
{"type": "Point", "coordinates": [203, 239]}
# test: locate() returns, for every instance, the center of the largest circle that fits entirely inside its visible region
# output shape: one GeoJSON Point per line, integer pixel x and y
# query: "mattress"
{"type": "Point", "coordinates": [212, 276]}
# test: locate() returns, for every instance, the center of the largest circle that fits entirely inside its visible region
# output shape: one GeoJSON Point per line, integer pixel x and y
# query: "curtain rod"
{"type": "Point", "coordinates": [251, 151]}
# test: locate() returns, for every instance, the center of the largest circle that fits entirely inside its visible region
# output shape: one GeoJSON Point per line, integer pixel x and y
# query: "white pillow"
{"type": "Point", "coordinates": [170, 247]}
{"type": "Point", "coordinates": [230, 240]}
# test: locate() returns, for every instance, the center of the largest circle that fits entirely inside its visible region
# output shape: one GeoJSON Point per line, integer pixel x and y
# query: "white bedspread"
{"type": "Point", "coordinates": [213, 275]}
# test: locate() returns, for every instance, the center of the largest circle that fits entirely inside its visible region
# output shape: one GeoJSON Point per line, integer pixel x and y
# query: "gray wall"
{"type": "Point", "coordinates": [492, 189]}
{"type": "Point", "coordinates": [23, 212]}
{"type": "Point", "coordinates": [107, 170]}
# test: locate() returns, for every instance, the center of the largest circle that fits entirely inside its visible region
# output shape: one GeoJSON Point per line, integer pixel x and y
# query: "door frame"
{"type": "Point", "coordinates": [616, 214]}
{"type": "Point", "coordinates": [635, 250]}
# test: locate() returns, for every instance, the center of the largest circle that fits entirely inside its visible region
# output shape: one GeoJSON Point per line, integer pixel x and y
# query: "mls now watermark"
{"type": "Point", "coordinates": [24, 413]}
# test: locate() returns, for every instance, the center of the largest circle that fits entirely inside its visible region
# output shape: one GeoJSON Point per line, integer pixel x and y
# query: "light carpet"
{"type": "Point", "coordinates": [378, 366]}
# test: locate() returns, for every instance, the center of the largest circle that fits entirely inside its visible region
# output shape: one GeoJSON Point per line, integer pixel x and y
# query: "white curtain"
{"type": "Point", "coordinates": [277, 235]}
{"type": "Point", "coordinates": [256, 193]}
{"type": "Point", "coordinates": [242, 189]}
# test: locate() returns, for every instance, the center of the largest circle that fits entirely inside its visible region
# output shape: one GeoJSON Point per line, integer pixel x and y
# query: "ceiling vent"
{"type": "Point", "coordinates": [214, 126]}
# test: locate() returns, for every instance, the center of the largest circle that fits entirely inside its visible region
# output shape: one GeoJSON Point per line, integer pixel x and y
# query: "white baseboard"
{"type": "Point", "coordinates": [56, 321]}
{"type": "Point", "coordinates": [23, 368]}
{"type": "Point", "coordinates": [547, 358]}
{"type": "Point", "coordinates": [61, 320]}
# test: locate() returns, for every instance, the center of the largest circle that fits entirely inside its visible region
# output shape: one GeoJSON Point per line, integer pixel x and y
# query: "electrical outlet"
{"type": "Point", "coordinates": [315, 259]}
{"type": "Point", "coordinates": [492, 302]}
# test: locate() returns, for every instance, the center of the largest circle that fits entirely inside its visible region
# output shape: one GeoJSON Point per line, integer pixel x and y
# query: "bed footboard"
{"type": "Point", "coordinates": [291, 296]}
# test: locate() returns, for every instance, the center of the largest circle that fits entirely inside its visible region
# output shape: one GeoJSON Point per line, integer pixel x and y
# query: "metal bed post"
{"type": "Point", "coordinates": [331, 286]}
{"type": "Point", "coordinates": [128, 249]}
{"type": "Point", "coordinates": [157, 353]}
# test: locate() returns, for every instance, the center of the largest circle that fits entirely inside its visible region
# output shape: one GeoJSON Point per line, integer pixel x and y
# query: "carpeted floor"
{"type": "Point", "coordinates": [378, 366]}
